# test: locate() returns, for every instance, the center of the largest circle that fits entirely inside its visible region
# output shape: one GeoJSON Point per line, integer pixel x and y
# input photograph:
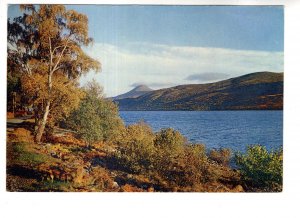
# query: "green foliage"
{"type": "Point", "coordinates": [96, 119]}
{"type": "Point", "coordinates": [111, 123]}
{"type": "Point", "coordinates": [25, 157]}
{"type": "Point", "coordinates": [136, 148]}
{"type": "Point", "coordinates": [260, 168]}
{"type": "Point", "coordinates": [55, 186]}
{"type": "Point", "coordinates": [143, 151]}
{"type": "Point", "coordinates": [87, 122]}
{"type": "Point", "coordinates": [170, 149]}
{"type": "Point", "coordinates": [170, 140]}
{"type": "Point", "coordinates": [13, 85]}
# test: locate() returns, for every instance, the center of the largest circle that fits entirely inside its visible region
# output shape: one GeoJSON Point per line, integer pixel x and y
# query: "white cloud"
{"type": "Point", "coordinates": [207, 77]}
{"type": "Point", "coordinates": [162, 64]}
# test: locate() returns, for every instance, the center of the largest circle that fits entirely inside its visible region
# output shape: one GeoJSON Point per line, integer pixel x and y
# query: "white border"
{"type": "Point", "coordinates": [172, 204]}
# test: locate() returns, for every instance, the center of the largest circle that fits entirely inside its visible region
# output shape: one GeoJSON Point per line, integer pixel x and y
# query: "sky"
{"type": "Point", "coordinates": [164, 46]}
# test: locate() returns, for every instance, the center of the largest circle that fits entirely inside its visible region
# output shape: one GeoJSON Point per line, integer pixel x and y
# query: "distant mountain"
{"type": "Point", "coordinates": [134, 93]}
{"type": "Point", "coordinates": [255, 91]}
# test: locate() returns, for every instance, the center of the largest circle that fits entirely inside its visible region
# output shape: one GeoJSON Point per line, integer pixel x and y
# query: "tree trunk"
{"type": "Point", "coordinates": [42, 125]}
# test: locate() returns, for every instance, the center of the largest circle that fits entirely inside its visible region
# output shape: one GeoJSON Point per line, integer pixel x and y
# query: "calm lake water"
{"type": "Point", "coordinates": [232, 129]}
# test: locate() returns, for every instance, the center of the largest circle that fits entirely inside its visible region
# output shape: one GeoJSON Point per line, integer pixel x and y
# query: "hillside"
{"type": "Point", "coordinates": [255, 91]}
{"type": "Point", "coordinates": [134, 93]}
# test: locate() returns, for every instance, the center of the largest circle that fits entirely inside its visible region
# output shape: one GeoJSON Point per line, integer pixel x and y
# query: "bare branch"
{"type": "Point", "coordinates": [57, 47]}
{"type": "Point", "coordinates": [60, 56]}
{"type": "Point", "coordinates": [50, 49]}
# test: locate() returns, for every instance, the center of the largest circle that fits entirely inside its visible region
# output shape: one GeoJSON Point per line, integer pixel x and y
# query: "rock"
{"type": "Point", "coordinates": [238, 188]}
{"type": "Point", "coordinates": [129, 176]}
{"type": "Point", "coordinates": [115, 185]}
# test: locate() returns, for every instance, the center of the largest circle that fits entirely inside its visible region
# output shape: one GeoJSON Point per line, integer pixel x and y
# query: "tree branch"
{"type": "Point", "coordinates": [60, 56]}
{"type": "Point", "coordinates": [50, 49]}
{"type": "Point", "coordinates": [57, 47]}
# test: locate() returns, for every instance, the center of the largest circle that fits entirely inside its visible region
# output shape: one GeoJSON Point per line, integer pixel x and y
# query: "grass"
{"type": "Point", "coordinates": [55, 186]}
{"type": "Point", "coordinates": [24, 156]}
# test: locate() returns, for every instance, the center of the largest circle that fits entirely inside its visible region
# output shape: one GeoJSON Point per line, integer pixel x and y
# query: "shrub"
{"type": "Point", "coordinates": [164, 156]}
{"type": "Point", "coordinates": [221, 156]}
{"type": "Point", "coordinates": [23, 135]}
{"type": "Point", "coordinates": [101, 180]}
{"type": "Point", "coordinates": [170, 140]}
{"type": "Point", "coordinates": [97, 118]}
{"type": "Point", "coordinates": [188, 169]}
{"type": "Point", "coordinates": [169, 145]}
{"type": "Point", "coordinates": [130, 188]}
{"type": "Point", "coordinates": [86, 121]}
{"type": "Point", "coordinates": [111, 123]}
{"type": "Point", "coordinates": [136, 148]}
{"type": "Point", "coordinates": [261, 169]}
{"type": "Point", "coordinates": [179, 163]}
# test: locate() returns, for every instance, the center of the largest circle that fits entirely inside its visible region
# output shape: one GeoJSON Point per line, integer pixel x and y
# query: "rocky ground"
{"type": "Point", "coordinates": [65, 163]}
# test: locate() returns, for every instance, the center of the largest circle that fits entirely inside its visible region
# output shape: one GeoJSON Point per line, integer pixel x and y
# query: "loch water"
{"type": "Point", "coordinates": [215, 129]}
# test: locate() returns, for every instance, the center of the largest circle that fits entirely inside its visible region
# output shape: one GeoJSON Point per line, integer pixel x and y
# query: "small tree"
{"type": "Point", "coordinates": [260, 168]}
{"type": "Point", "coordinates": [86, 121]}
{"type": "Point", "coordinates": [96, 118]}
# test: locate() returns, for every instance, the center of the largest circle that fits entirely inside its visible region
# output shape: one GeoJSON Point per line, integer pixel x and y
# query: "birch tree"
{"type": "Point", "coordinates": [47, 40]}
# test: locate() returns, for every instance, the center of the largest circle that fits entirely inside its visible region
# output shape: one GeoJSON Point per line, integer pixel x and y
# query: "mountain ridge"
{"type": "Point", "coordinates": [134, 93]}
{"type": "Point", "coordinates": [254, 91]}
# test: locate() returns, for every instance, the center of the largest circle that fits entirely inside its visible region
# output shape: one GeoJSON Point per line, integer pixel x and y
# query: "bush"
{"type": "Point", "coordinates": [178, 163]}
{"type": "Point", "coordinates": [86, 122]}
{"type": "Point", "coordinates": [101, 180]}
{"type": "Point", "coordinates": [261, 169]}
{"type": "Point", "coordinates": [97, 118]}
{"type": "Point", "coordinates": [188, 169]}
{"type": "Point", "coordinates": [165, 156]}
{"type": "Point", "coordinates": [136, 148]}
{"type": "Point", "coordinates": [221, 156]}
{"type": "Point", "coordinates": [170, 140]}
{"type": "Point", "coordinates": [23, 135]}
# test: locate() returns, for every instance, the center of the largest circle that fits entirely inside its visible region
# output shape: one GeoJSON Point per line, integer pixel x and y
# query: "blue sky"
{"type": "Point", "coordinates": [163, 46]}
{"type": "Point", "coordinates": [238, 27]}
